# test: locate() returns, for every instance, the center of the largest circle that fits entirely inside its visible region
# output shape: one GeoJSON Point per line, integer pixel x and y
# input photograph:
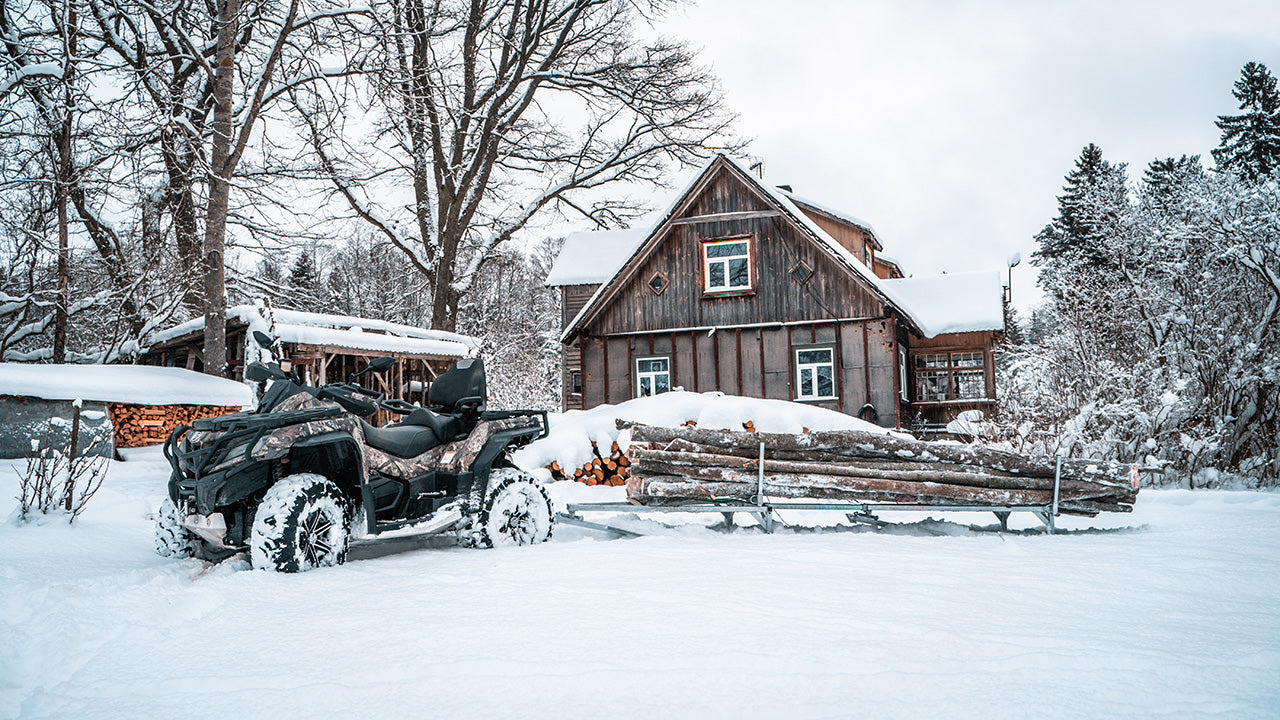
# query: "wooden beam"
{"type": "Point", "coordinates": [737, 338]}
{"type": "Point", "coordinates": [723, 217]}
{"type": "Point", "coordinates": [866, 366]}
{"type": "Point", "coordinates": [838, 369]}
{"type": "Point", "coordinates": [693, 347]}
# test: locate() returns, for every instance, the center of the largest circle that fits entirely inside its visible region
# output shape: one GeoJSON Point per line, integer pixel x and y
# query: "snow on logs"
{"type": "Point", "coordinates": [673, 465]}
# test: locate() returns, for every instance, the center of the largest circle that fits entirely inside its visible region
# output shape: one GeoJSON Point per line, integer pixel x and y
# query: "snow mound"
{"type": "Point", "coordinates": [139, 384]}
{"type": "Point", "coordinates": [571, 433]}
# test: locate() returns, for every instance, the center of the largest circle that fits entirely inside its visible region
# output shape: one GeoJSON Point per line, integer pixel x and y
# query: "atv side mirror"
{"type": "Point", "coordinates": [264, 340]}
{"type": "Point", "coordinates": [376, 365]}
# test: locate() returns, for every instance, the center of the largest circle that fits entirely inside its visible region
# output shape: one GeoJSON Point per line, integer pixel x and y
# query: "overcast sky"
{"type": "Point", "coordinates": [949, 126]}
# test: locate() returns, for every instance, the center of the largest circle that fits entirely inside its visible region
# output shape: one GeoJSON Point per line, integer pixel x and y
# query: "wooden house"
{"type": "Point", "coordinates": [751, 290]}
{"type": "Point", "coordinates": [322, 348]}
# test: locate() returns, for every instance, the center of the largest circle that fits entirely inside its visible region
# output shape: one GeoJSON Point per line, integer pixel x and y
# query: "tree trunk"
{"type": "Point", "coordinates": [215, 230]}
{"type": "Point", "coordinates": [64, 184]}
{"type": "Point", "coordinates": [64, 251]}
{"type": "Point", "coordinates": [179, 160]}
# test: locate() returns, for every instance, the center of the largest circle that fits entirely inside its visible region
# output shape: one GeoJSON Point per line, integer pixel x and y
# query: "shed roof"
{"type": "Point", "coordinates": [963, 302]}
{"type": "Point", "coordinates": [591, 257]}
{"type": "Point", "coordinates": [138, 384]}
{"type": "Point", "coordinates": [344, 331]}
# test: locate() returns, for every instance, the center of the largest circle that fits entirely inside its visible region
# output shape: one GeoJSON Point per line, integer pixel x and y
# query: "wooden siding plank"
{"type": "Point", "coordinates": [774, 357]}
{"type": "Point", "coordinates": [620, 368]}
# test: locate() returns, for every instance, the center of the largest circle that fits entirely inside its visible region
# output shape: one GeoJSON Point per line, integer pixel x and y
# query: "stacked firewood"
{"type": "Point", "coordinates": [138, 425]}
{"type": "Point", "coordinates": [611, 469]}
{"type": "Point", "coordinates": [675, 465]}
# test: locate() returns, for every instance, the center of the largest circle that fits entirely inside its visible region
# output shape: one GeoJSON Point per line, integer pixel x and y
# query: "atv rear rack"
{"type": "Point", "coordinates": [763, 509]}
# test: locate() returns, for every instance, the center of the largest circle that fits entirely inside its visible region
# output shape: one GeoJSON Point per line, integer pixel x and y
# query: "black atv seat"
{"type": "Point", "coordinates": [444, 426]}
{"type": "Point", "coordinates": [404, 441]}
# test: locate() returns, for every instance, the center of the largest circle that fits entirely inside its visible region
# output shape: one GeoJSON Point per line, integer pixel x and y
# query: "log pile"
{"type": "Point", "coordinates": [675, 465]}
{"type": "Point", "coordinates": [612, 469]}
{"type": "Point", "coordinates": [138, 425]}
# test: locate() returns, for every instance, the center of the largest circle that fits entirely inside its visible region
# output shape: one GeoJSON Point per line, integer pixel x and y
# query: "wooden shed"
{"type": "Point", "coordinates": [752, 290]}
{"type": "Point", "coordinates": [137, 405]}
{"type": "Point", "coordinates": [322, 347]}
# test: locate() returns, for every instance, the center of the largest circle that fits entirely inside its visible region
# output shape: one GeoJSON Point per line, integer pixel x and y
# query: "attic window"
{"type": "Point", "coordinates": [726, 265]}
{"type": "Point", "coordinates": [801, 273]}
{"type": "Point", "coordinates": [658, 283]}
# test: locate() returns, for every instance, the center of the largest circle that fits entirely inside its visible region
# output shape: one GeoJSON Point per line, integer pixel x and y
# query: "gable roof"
{"type": "Point", "coordinates": [593, 256]}
{"type": "Point", "coordinates": [782, 201]}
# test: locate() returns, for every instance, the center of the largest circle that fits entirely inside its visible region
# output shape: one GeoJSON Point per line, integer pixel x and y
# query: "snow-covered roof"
{"type": "Point", "coordinates": [963, 302]}
{"type": "Point", "coordinates": [308, 328]}
{"type": "Point", "coordinates": [840, 215]}
{"type": "Point", "coordinates": [138, 384]}
{"type": "Point", "coordinates": [592, 257]}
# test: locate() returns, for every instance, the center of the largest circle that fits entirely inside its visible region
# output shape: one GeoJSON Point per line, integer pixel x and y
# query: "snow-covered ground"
{"type": "Point", "coordinates": [1173, 611]}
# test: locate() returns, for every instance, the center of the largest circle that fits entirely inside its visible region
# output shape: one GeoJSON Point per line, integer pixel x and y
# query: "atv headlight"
{"type": "Point", "coordinates": [234, 456]}
{"type": "Point", "coordinates": [264, 449]}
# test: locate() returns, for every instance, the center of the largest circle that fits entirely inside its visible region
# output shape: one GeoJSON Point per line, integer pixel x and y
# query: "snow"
{"type": "Point", "coordinates": [294, 326]}
{"type": "Point", "coordinates": [594, 256]}
{"type": "Point", "coordinates": [1173, 611]}
{"type": "Point", "coordinates": [140, 384]}
{"type": "Point", "coordinates": [571, 433]}
{"type": "Point", "coordinates": [961, 302]}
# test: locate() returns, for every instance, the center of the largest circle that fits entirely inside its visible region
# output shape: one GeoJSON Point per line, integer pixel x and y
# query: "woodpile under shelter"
{"type": "Point", "coordinates": [121, 406]}
{"type": "Point", "coordinates": [751, 290]}
{"type": "Point", "coordinates": [322, 348]}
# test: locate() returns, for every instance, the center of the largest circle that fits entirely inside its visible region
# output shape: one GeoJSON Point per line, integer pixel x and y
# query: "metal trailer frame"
{"type": "Point", "coordinates": [763, 509]}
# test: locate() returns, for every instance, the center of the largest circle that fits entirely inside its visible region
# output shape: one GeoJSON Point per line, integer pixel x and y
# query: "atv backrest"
{"type": "Point", "coordinates": [464, 380]}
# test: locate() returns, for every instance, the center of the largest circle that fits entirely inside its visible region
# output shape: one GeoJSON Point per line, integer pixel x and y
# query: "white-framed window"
{"type": "Point", "coordinates": [653, 375]}
{"type": "Point", "coordinates": [726, 265]}
{"type": "Point", "coordinates": [950, 376]}
{"type": "Point", "coordinates": [866, 254]}
{"type": "Point", "coordinates": [815, 373]}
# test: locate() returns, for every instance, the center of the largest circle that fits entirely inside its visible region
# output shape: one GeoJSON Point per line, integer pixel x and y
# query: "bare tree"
{"type": "Point", "coordinates": [494, 111]}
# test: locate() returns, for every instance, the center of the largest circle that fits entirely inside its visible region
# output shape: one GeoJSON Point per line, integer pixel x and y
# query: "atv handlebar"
{"type": "Point", "coordinates": [396, 405]}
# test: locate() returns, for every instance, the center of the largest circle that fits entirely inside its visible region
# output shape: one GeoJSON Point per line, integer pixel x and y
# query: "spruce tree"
{"type": "Point", "coordinates": [1250, 143]}
{"type": "Point", "coordinates": [304, 282]}
{"type": "Point", "coordinates": [1090, 211]}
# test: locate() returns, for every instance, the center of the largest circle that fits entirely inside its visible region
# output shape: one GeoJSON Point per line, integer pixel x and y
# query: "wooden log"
{"type": "Point", "coordinates": [666, 461]}
{"type": "Point", "coordinates": [874, 445]}
{"type": "Point", "coordinates": [960, 494]}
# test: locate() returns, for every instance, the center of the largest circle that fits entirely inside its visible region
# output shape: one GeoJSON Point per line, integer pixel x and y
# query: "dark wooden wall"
{"type": "Point", "coordinates": [753, 362]}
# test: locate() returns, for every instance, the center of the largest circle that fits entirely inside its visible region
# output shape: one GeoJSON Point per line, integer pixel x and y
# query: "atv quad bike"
{"type": "Point", "coordinates": [294, 479]}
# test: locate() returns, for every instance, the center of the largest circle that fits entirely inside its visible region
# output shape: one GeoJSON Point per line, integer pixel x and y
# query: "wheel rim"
{"type": "Point", "coordinates": [314, 537]}
{"type": "Point", "coordinates": [515, 518]}
{"type": "Point", "coordinates": [518, 525]}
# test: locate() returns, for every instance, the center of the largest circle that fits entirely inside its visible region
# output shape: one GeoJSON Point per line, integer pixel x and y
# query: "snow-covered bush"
{"type": "Point", "coordinates": [60, 478]}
